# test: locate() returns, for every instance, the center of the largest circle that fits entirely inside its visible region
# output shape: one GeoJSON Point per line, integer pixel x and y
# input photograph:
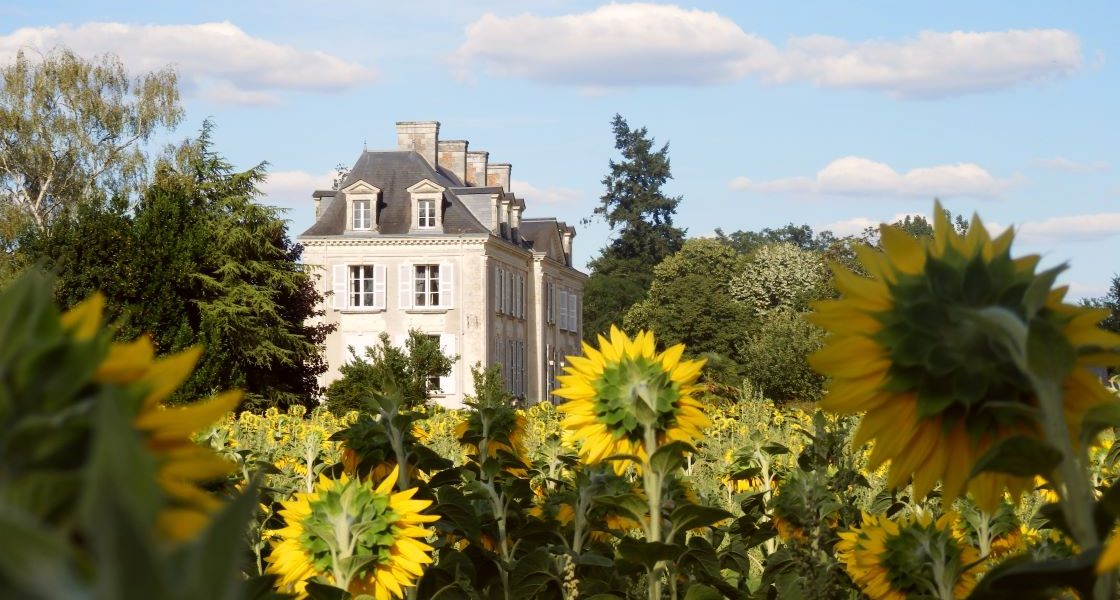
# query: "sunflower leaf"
{"type": "Point", "coordinates": [1049, 353]}
{"type": "Point", "coordinates": [1039, 289]}
{"type": "Point", "coordinates": [1097, 419]}
{"type": "Point", "coordinates": [670, 457]}
{"type": "Point", "coordinates": [1019, 455]}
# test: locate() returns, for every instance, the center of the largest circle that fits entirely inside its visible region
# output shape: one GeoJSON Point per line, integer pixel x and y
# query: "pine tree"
{"type": "Point", "coordinates": [641, 216]}
{"type": "Point", "coordinates": [198, 261]}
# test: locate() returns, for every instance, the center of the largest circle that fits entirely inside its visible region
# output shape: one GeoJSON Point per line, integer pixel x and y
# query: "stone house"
{"type": "Point", "coordinates": [431, 237]}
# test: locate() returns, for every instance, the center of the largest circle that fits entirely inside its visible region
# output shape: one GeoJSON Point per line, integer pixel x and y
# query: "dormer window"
{"type": "Point", "coordinates": [361, 206]}
{"type": "Point", "coordinates": [427, 197]}
{"type": "Point", "coordinates": [426, 213]}
{"type": "Point", "coordinates": [361, 214]}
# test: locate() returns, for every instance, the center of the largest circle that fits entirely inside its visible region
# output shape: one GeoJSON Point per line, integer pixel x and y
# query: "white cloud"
{"type": "Point", "coordinates": [220, 60]}
{"type": "Point", "coordinates": [858, 176]}
{"type": "Point", "coordinates": [614, 45]}
{"type": "Point", "coordinates": [292, 189]}
{"type": "Point", "coordinates": [620, 45]}
{"type": "Point", "coordinates": [1072, 228]}
{"type": "Point", "coordinates": [1060, 163]}
{"type": "Point", "coordinates": [853, 226]}
{"type": "Point", "coordinates": [552, 195]}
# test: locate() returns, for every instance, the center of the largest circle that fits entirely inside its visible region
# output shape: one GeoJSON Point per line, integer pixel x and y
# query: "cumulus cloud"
{"type": "Point", "coordinates": [292, 189]}
{"type": "Point", "coordinates": [219, 60]}
{"type": "Point", "coordinates": [619, 45]}
{"type": "Point", "coordinates": [1072, 228]}
{"type": "Point", "coordinates": [545, 195]}
{"type": "Point", "coordinates": [1060, 163]}
{"type": "Point", "coordinates": [858, 176]}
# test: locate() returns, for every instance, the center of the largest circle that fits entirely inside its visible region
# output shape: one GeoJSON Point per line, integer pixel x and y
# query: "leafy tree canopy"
{"type": "Point", "coordinates": [71, 130]}
{"type": "Point", "coordinates": [690, 300]}
{"type": "Point", "coordinates": [801, 236]}
{"type": "Point", "coordinates": [386, 369]}
{"type": "Point", "coordinates": [198, 261]}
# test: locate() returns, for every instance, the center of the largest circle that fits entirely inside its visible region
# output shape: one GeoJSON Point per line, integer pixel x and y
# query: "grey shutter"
{"type": "Point", "coordinates": [379, 286]}
{"type": "Point", "coordinates": [340, 287]}
{"type": "Point", "coordinates": [573, 312]}
{"type": "Point", "coordinates": [563, 309]}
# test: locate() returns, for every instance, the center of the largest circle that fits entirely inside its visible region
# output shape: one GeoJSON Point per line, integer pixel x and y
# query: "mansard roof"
{"type": "Point", "coordinates": [393, 172]}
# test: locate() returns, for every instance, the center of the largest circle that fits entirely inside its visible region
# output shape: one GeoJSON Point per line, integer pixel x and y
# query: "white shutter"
{"type": "Point", "coordinates": [573, 312]}
{"type": "Point", "coordinates": [552, 302]}
{"type": "Point", "coordinates": [446, 285]}
{"type": "Point", "coordinates": [404, 286]}
{"type": "Point", "coordinates": [379, 286]}
{"type": "Point", "coordinates": [340, 287]}
{"type": "Point", "coordinates": [447, 346]}
{"type": "Point", "coordinates": [563, 309]}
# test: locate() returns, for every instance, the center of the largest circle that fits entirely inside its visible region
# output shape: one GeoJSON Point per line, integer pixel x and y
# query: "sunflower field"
{"type": "Point", "coordinates": [964, 448]}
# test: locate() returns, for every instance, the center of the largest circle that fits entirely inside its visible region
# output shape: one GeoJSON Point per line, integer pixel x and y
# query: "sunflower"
{"type": "Point", "coordinates": [506, 433]}
{"type": "Point", "coordinates": [349, 518]}
{"type": "Point", "coordinates": [895, 560]}
{"type": "Point", "coordinates": [937, 391]}
{"type": "Point", "coordinates": [167, 432]}
{"type": "Point", "coordinates": [624, 393]}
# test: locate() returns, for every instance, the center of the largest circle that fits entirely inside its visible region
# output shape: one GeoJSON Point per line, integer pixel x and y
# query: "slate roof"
{"type": "Point", "coordinates": [543, 234]}
{"type": "Point", "coordinates": [393, 172]}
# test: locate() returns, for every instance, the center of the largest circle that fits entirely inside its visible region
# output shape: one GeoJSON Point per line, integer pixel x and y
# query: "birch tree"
{"type": "Point", "coordinates": [73, 130]}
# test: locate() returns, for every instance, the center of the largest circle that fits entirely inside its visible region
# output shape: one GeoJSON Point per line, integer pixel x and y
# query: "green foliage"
{"type": "Point", "coordinates": [387, 369]}
{"type": "Point", "coordinates": [781, 275]}
{"type": "Point", "coordinates": [1110, 301]}
{"type": "Point", "coordinates": [690, 300]}
{"type": "Point", "coordinates": [801, 236]}
{"type": "Point", "coordinates": [198, 261]}
{"type": "Point", "coordinates": [774, 356]}
{"type": "Point", "coordinates": [71, 130]}
{"type": "Point", "coordinates": [642, 215]}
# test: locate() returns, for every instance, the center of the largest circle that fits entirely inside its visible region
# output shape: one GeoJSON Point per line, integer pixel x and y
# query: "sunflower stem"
{"type": "Point", "coordinates": [1077, 499]}
{"type": "Point", "coordinates": [653, 480]}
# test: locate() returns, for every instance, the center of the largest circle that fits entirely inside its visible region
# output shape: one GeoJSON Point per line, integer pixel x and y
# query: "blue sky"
{"type": "Point", "coordinates": [838, 115]}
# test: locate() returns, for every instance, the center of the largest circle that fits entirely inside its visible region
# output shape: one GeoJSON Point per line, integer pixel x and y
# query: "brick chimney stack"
{"type": "Point", "coordinates": [453, 157]}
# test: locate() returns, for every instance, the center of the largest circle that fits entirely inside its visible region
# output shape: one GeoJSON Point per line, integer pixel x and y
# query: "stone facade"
{"type": "Point", "coordinates": [430, 237]}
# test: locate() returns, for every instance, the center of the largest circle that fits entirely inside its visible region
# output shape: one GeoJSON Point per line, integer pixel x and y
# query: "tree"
{"type": "Point", "coordinates": [690, 300]}
{"type": "Point", "coordinates": [641, 215]}
{"type": "Point", "coordinates": [386, 369]}
{"type": "Point", "coordinates": [1110, 301]}
{"type": "Point", "coordinates": [774, 356]}
{"type": "Point", "coordinates": [801, 236]}
{"type": "Point", "coordinates": [71, 130]}
{"type": "Point", "coordinates": [781, 275]}
{"type": "Point", "coordinates": [197, 261]}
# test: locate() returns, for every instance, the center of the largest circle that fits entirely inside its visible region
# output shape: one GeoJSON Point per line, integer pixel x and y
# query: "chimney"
{"type": "Point", "coordinates": [566, 235]}
{"type": "Point", "coordinates": [515, 209]}
{"type": "Point", "coordinates": [497, 174]}
{"type": "Point", "coordinates": [503, 215]}
{"type": "Point", "coordinates": [453, 157]}
{"type": "Point", "coordinates": [495, 210]}
{"type": "Point", "coordinates": [476, 167]}
{"type": "Point", "coordinates": [419, 136]}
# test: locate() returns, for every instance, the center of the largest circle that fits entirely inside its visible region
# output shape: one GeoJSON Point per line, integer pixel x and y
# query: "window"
{"type": "Point", "coordinates": [426, 213]}
{"type": "Point", "coordinates": [434, 382]}
{"type": "Point", "coordinates": [361, 286]}
{"type": "Point", "coordinates": [361, 214]}
{"type": "Point", "coordinates": [426, 285]}
{"type": "Point", "coordinates": [563, 309]}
